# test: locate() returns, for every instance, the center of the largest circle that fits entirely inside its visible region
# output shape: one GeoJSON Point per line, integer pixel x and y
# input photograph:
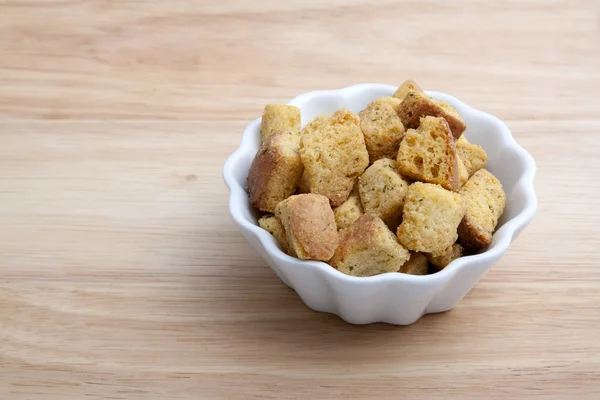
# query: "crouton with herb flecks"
{"type": "Point", "coordinates": [382, 129]}
{"type": "Point", "coordinates": [417, 105]}
{"type": "Point", "coordinates": [416, 265]}
{"type": "Point", "coordinates": [430, 218]}
{"type": "Point", "coordinates": [309, 226]}
{"type": "Point", "coordinates": [275, 170]}
{"type": "Point", "coordinates": [485, 200]}
{"type": "Point", "coordinates": [428, 154]}
{"type": "Point", "coordinates": [273, 225]}
{"type": "Point", "coordinates": [382, 190]}
{"type": "Point", "coordinates": [279, 117]}
{"type": "Point", "coordinates": [334, 155]}
{"type": "Point", "coordinates": [368, 248]}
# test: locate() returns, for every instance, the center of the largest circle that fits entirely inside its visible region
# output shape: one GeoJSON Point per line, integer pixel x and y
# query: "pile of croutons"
{"type": "Point", "coordinates": [338, 189]}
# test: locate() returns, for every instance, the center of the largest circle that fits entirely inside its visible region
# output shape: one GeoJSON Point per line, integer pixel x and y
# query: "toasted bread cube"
{"type": "Point", "coordinates": [334, 154]}
{"type": "Point", "coordinates": [279, 117]}
{"type": "Point", "coordinates": [368, 248]}
{"type": "Point", "coordinates": [463, 175]}
{"type": "Point", "coordinates": [441, 260]}
{"type": "Point", "coordinates": [382, 129]}
{"type": "Point", "coordinates": [473, 156]}
{"type": "Point", "coordinates": [348, 212]}
{"type": "Point", "coordinates": [428, 154]}
{"type": "Point", "coordinates": [382, 191]}
{"type": "Point", "coordinates": [309, 226]}
{"type": "Point", "coordinates": [485, 201]}
{"type": "Point", "coordinates": [407, 87]}
{"type": "Point", "coordinates": [275, 170]}
{"type": "Point", "coordinates": [273, 225]}
{"type": "Point", "coordinates": [392, 101]}
{"type": "Point", "coordinates": [416, 265]}
{"type": "Point", "coordinates": [304, 184]}
{"type": "Point", "coordinates": [430, 218]}
{"type": "Point", "coordinates": [418, 104]}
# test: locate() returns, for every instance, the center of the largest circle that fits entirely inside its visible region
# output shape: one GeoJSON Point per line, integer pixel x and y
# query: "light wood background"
{"type": "Point", "coordinates": [122, 275]}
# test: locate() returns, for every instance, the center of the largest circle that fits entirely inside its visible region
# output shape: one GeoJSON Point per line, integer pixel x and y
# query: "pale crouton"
{"type": "Point", "coordinates": [279, 117]}
{"type": "Point", "coordinates": [382, 129]}
{"type": "Point", "coordinates": [441, 260]}
{"type": "Point", "coordinates": [416, 265]}
{"type": "Point", "coordinates": [473, 156]}
{"type": "Point", "coordinates": [348, 212]}
{"type": "Point", "coordinates": [275, 171]}
{"type": "Point", "coordinates": [463, 174]}
{"type": "Point", "coordinates": [428, 154]}
{"type": "Point", "coordinates": [368, 248]}
{"type": "Point", "coordinates": [430, 218]}
{"type": "Point", "coordinates": [334, 154]}
{"type": "Point", "coordinates": [407, 87]}
{"type": "Point", "coordinates": [418, 104]}
{"type": "Point", "coordinates": [393, 101]}
{"type": "Point", "coordinates": [273, 225]}
{"type": "Point", "coordinates": [309, 226]}
{"type": "Point", "coordinates": [485, 201]}
{"type": "Point", "coordinates": [382, 191]}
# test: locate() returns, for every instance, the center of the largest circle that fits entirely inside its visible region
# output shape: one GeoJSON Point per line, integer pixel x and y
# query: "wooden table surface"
{"type": "Point", "coordinates": [122, 275]}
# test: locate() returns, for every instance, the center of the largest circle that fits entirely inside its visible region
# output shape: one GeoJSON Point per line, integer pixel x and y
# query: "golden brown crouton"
{"type": "Point", "coordinates": [463, 175]}
{"type": "Point", "coordinates": [275, 171]}
{"type": "Point", "coordinates": [279, 117]}
{"type": "Point", "coordinates": [348, 212]}
{"type": "Point", "coordinates": [418, 104]}
{"type": "Point", "coordinates": [334, 154]}
{"type": "Point", "coordinates": [304, 184]}
{"type": "Point", "coordinates": [309, 226]}
{"type": "Point", "coordinates": [485, 201]}
{"type": "Point", "coordinates": [416, 265]}
{"type": "Point", "coordinates": [473, 156]}
{"type": "Point", "coordinates": [430, 218]}
{"type": "Point", "coordinates": [428, 154]}
{"type": "Point", "coordinates": [382, 191]}
{"type": "Point", "coordinates": [273, 225]}
{"type": "Point", "coordinates": [382, 128]}
{"type": "Point", "coordinates": [407, 87]}
{"type": "Point", "coordinates": [441, 260]}
{"type": "Point", "coordinates": [368, 248]}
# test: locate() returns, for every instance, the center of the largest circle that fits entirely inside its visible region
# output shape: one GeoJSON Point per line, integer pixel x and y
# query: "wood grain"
{"type": "Point", "coordinates": [122, 276]}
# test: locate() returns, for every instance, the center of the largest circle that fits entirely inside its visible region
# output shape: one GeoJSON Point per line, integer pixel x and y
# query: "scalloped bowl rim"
{"type": "Point", "coordinates": [502, 237]}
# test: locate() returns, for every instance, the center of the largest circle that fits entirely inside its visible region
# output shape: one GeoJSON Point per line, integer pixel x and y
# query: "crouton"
{"type": "Point", "coordinates": [304, 184]}
{"type": "Point", "coordinates": [368, 248]}
{"type": "Point", "coordinates": [275, 170]}
{"type": "Point", "coordinates": [485, 201]}
{"type": "Point", "coordinates": [382, 191]}
{"type": "Point", "coordinates": [473, 156]}
{"type": "Point", "coordinates": [416, 265]}
{"type": "Point", "coordinates": [279, 117]}
{"type": "Point", "coordinates": [407, 87]}
{"type": "Point", "coordinates": [441, 260]}
{"type": "Point", "coordinates": [463, 174]}
{"type": "Point", "coordinates": [348, 212]}
{"type": "Point", "coordinates": [382, 129]}
{"type": "Point", "coordinates": [309, 226]}
{"type": "Point", "coordinates": [430, 218]}
{"type": "Point", "coordinates": [334, 154]}
{"type": "Point", "coordinates": [418, 104]}
{"type": "Point", "coordinates": [393, 101]}
{"type": "Point", "coordinates": [273, 225]}
{"type": "Point", "coordinates": [428, 154]}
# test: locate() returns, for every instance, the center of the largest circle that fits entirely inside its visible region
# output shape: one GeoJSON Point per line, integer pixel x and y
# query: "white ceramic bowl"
{"type": "Point", "coordinates": [394, 298]}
